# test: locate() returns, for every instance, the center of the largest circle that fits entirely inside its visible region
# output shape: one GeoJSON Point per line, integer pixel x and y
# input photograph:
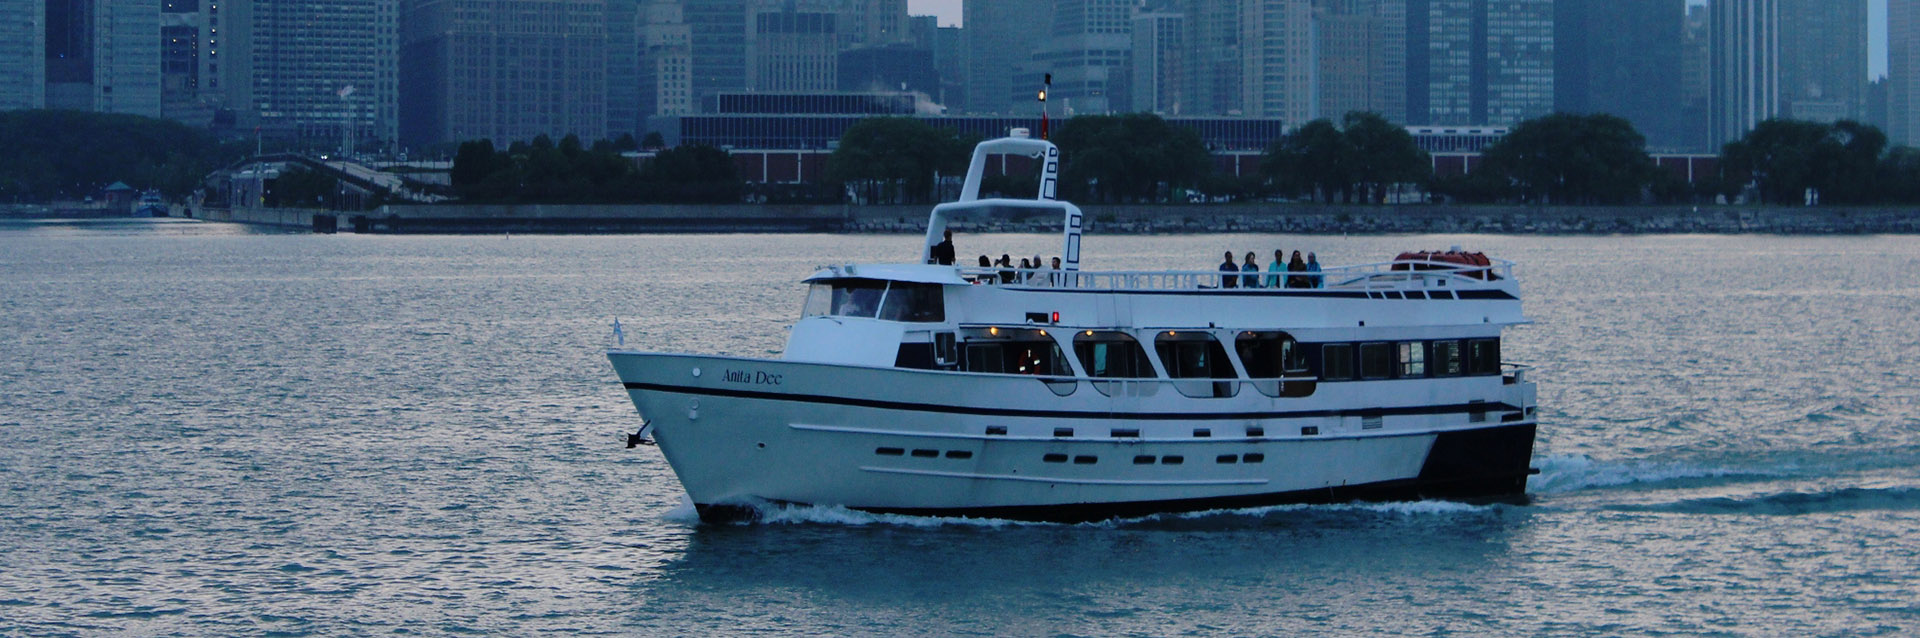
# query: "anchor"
{"type": "Point", "coordinates": [640, 437]}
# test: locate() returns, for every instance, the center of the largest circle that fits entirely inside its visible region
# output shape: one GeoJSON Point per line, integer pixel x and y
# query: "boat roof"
{"type": "Point", "coordinates": [917, 273]}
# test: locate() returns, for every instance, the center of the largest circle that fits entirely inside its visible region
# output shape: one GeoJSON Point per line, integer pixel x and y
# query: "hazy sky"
{"type": "Point", "coordinates": [949, 13]}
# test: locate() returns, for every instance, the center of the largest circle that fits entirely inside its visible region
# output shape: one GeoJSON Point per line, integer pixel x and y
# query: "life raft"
{"type": "Point", "coordinates": [1479, 265]}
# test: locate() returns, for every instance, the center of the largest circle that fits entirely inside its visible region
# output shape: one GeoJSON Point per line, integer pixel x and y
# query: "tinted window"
{"type": "Point", "coordinates": [1483, 356]}
{"type": "Point", "coordinates": [1015, 351]}
{"type": "Point", "coordinates": [1446, 358]}
{"type": "Point", "coordinates": [914, 302]}
{"type": "Point", "coordinates": [1336, 361]}
{"type": "Point", "coordinates": [1376, 360]}
{"type": "Point", "coordinates": [1111, 355]}
{"type": "Point", "coordinates": [1413, 359]}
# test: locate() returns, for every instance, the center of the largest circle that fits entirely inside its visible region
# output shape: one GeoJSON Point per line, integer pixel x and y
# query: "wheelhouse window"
{"type": "Point", "coordinates": [1376, 360]}
{"type": "Point", "coordinates": [1111, 355]}
{"type": "Point", "coordinates": [1413, 359]}
{"type": "Point", "coordinates": [1446, 358]}
{"type": "Point", "coordinates": [1195, 355]}
{"type": "Point", "coordinates": [1483, 356]}
{"type": "Point", "coordinates": [1014, 351]}
{"type": "Point", "coordinates": [1270, 357]}
{"type": "Point", "coordinates": [873, 298]}
{"type": "Point", "coordinates": [1336, 361]}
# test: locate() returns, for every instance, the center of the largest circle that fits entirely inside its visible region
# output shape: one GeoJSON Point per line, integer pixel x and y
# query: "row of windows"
{"type": "Point", "coordinates": [1078, 459]}
{"type": "Point", "coordinates": [1409, 359]}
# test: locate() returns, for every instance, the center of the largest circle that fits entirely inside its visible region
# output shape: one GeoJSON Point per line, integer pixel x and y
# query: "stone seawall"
{"type": "Point", "coordinates": [1252, 218]}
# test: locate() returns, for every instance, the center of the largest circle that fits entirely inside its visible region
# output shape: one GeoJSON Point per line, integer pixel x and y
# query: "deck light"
{"type": "Point", "coordinates": [1056, 316]}
{"type": "Point", "coordinates": [993, 331]}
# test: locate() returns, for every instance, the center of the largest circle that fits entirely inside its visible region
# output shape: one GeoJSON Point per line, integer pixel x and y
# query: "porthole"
{"type": "Point", "coordinates": [889, 451]}
{"type": "Point", "coordinates": [1124, 433]}
{"type": "Point", "coordinates": [1144, 459]}
{"type": "Point", "coordinates": [1202, 433]}
{"type": "Point", "coordinates": [1063, 432]}
{"type": "Point", "coordinates": [1172, 460]}
{"type": "Point", "coordinates": [1254, 457]}
{"type": "Point", "coordinates": [1085, 460]}
{"type": "Point", "coordinates": [1227, 458]}
{"type": "Point", "coordinates": [959, 454]}
{"type": "Point", "coordinates": [926, 454]}
{"type": "Point", "coordinates": [996, 430]}
{"type": "Point", "coordinates": [1054, 458]}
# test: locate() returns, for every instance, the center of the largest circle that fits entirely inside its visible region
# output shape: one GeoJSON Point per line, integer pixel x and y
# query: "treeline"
{"type": "Point", "coordinates": [541, 171]}
{"type": "Point", "coordinates": [69, 155]}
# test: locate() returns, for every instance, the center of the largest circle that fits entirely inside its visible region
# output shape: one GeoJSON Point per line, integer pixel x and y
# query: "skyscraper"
{"type": "Point", "coordinates": [1823, 59]}
{"type": "Point", "coordinates": [795, 45]}
{"type": "Point", "coordinates": [1479, 62]}
{"type": "Point", "coordinates": [623, 67]}
{"type": "Point", "coordinates": [101, 55]}
{"type": "Point", "coordinates": [1623, 57]}
{"type": "Point", "coordinates": [23, 46]}
{"type": "Point", "coordinates": [313, 70]}
{"type": "Point", "coordinates": [666, 61]}
{"type": "Point", "coordinates": [1088, 53]}
{"type": "Point", "coordinates": [1001, 37]}
{"type": "Point", "coordinates": [1158, 40]}
{"type": "Point", "coordinates": [504, 70]}
{"type": "Point", "coordinates": [1744, 65]}
{"type": "Point", "coordinates": [1212, 66]}
{"type": "Point", "coordinates": [1903, 71]}
{"type": "Point", "coordinates": [1276, 60]}
{"type": "Point", "coordinates": [719, 45]}
{"type": "Point", "coordinates": [1361, 49]}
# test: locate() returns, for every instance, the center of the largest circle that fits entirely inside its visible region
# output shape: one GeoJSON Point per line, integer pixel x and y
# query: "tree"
{"type": "Point", "coordinates": [1365, 156]}
{"type": "Point", "coordinates": [1776, 158]}
{"type": "Point", "coordinates": [896, 158]}
{"type": "Point", "coordinates": [1572, 159]}
{"type": "Point", "coordinates": [1135, 157]}
{"type": "Point", "coordinates": [71, 154]}
{"type": "Point", "coordinates": [693, 174]}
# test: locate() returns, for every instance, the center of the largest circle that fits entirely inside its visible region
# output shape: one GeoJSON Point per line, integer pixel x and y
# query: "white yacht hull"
{"type": "Point", "coordinates": [739, 432]}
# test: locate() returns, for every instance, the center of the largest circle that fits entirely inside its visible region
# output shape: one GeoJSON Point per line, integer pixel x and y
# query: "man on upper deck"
{"type": "Point", "coordinates": [942, 252]}
{"type": "Point", "coordinates": [1228, 281]}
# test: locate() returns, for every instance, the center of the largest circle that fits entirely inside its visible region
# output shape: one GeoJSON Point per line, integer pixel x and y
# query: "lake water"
{"type": "Point", "coordinates": [208, 431]}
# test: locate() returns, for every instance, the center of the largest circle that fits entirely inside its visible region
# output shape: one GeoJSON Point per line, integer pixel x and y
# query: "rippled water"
{"type": "Point", "coordinates": [207, 431]}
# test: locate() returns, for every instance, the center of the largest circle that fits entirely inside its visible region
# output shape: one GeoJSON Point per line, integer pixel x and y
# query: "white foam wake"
{"type": "Point", "coordinates": [1572, 472]}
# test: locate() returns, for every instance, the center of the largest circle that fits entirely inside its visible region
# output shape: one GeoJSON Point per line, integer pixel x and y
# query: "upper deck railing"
{"type": "Point", "coordinates": [1382, 276]}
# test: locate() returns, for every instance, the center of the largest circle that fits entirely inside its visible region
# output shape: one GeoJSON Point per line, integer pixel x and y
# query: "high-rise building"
{"type": "Point", "coordinates": [310, 70]}
{"type": "Point", "coordinates": [1088, 53]}
{"type": "Point", "coordinates": [1624, 58]}
{"type": "Point", "coordinates": [1158, 41]}
{"type": "Point", "coordinates": [1479, 62]}
{"type": "Point", "coordinates": [1823, 59]}
{"type": "Point", "coordinates": [23, 46]}
{"type": "Point", "coordinates": [666, 61]}
{"type": "Point", "coordinates": [1276, 60]}
{"type": "Point", "coordinates": [623, 68]}
{"type": "Point", "coordinates": [101, 55]}
{"type": "Point", "coordinates": [719, 41]}
{"type": "Point", "coordinates": [1361, 50]}
{"type": "Point", "coordinates": [1903, 71]}
{"type": "Point", "coordinates": [949, 49]}
{"type": "Point", "coordinates": [1001, 38]}
{"type": "Point", "coordinates": [504, 70]}
{"type": "Point", "coordinates": [794, 45]}
{"type": "Point", "coordinates": [68, 45]}
{"type": "Point", "coordinates": [1211, 63]}
{"type": "Point", "coordinates": [1744, 65]}
{"type": "Point", "coordinates": [180, 63]}
{"type": "Point", "coordinates": [1695, 80]}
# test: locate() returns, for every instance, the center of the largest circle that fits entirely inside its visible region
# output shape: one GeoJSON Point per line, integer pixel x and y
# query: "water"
{"type": "Point", "coordinates": [205, 431]}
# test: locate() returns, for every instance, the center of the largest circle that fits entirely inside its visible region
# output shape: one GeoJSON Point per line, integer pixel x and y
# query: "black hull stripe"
{"type": "Point", "coordinates": [1282, 292]}
{"type": "Point", "coordinates": [1455, 408]}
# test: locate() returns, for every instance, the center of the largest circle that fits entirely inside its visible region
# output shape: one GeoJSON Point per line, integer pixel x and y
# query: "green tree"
{"type": "Point", "coordinates": [693, 174]}
{"type": "Point", "coordinates": [1572, 159]}
{"type": "Point", "coordinates": [1777, 158]}
{"type": "Point", "coordinates": [71, 154]}
{"type": "Point", "coordinates": [1384, 154]}
{"type": "Point", "coordinates": [1364, 156]}
{"type": "Point", "coordinates": [896, 158]}
{"type": "Point", "coordinates": [1134, 157]}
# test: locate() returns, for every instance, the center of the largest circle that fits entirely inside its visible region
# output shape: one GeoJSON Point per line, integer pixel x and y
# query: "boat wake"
{"type": "Point", "coordinates": [790, 514]}
{"type": "Point", "coordinates": [1842, 499]}
{"type": "Point", "coordinates": [1563, 473]}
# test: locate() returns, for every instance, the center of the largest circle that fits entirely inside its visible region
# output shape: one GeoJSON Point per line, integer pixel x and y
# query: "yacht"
{"type": "Point", "coordinates": [1074, 395]}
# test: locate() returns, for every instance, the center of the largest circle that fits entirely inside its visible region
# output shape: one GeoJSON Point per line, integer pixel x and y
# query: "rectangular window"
{"type": "Point", "coordinates": [1446, 358]}
{"type": "Point", "coordinates": [1376, 360]}
{"type": "Point", "coordinates": [1413, 359]}
{"type": "Point", "coordinates": [1483, 356]}
{"type": "Point", "coordinates": [1336, 361]}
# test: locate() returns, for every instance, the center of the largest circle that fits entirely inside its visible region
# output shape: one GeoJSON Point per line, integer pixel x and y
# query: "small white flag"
{"type": "Point", "coordinates": [619, 336]}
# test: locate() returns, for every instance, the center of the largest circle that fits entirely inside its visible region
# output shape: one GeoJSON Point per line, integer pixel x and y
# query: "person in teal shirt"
{"type": "Point", "coordinates": [1279, 265]}
{"type": "Point", "coordinates": [1313, 266]}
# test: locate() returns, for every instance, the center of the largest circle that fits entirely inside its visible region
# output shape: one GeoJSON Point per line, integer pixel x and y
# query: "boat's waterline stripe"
{"type": "Point", "coordinates": [1067, 481]}
{"type": "Point", "coordinates": [1454, 408]}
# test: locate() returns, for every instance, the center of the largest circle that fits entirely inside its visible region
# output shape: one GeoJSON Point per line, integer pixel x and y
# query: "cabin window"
{"type": "Point", "coordinates": [1015, 351]}
{"type": "Point", "coordinates": [1446, 358]}
{"type": "Point", "coordinates": [1483, 356]}
{"type": "Point", "coordinates": [1196, 355]}
{"type": "Point", "coordinates": [1336, 361]}
{"type": "Point", "coordinates": [1271, 356]}
{"type": "Point", "coordinates": [907, 301]}
{"type": "Point", "coordinates": [1111, 355]}
{"type": "Point", "coordinates": [1376, 360]}
{"type": "Point", "coordinates": [871, 298]}
{"type": "Point", "coordinates": [1413, 359]}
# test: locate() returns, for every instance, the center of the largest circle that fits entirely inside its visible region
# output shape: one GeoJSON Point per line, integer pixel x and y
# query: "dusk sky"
{"type": "Point", "coordinates": [949, 13]}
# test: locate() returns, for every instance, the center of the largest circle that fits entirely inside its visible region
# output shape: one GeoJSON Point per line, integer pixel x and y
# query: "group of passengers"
{"type": "Point", "coordinates": [1030, 271]}
{"type": "Point", "coordinates": [1308, 270]}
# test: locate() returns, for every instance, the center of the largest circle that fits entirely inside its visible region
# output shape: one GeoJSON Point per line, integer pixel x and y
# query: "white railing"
{"type": "Point", "coordinates": [1390, 275]}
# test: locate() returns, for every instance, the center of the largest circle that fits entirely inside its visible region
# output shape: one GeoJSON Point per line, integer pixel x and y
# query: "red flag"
{"type": "Point", "coordinates": [1043, 124]}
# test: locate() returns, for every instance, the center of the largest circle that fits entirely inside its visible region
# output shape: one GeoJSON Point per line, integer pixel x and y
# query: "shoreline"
{"type": "Point", "coordinates": [1300, 219]}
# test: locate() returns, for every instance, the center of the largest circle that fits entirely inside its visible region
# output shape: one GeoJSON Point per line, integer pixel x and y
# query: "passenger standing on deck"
{"type": "Point", "coordinates": [1250, 281]}
{"type": "Point", "coordinates": [1279, 265]}
{"type": "Point", "coordinates": [984, 278]}
{"type": "Point", "coordinates": [942, 252]}
{"type": "Point", "coordinates": [1228, 281]}
{"type": "Point", "coordinates": [1056, 278]}
{"type": "Point", "coordinates": [1313, 266]}
{"type": "Point", "coordinates": [1006, 268]}
{"type": "Point", "coordinates": [1297, 265]}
